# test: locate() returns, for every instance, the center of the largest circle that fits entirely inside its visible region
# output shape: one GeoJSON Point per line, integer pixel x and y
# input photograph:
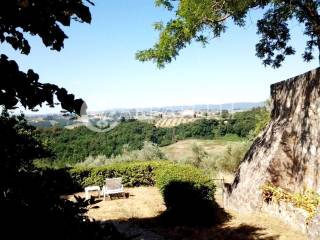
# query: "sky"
{"type": "Point", "coordinates": [98, 62]}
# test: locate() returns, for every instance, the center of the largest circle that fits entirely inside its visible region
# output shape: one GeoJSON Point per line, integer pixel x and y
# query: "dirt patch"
{"type": "Point", "coordinates": [137, 216]}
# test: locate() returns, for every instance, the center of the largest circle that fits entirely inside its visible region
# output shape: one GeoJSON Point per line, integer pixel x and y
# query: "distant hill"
{"type": "Point", "coordinates": [50, 120]}
{"type": "Point", "coordinates": [199, 107]}
{"type": "Point", "coordinates": [224, 106]}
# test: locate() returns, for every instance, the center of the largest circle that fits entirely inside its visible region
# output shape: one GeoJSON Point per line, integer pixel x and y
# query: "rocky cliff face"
{"type": "Point", "coordinates": [287, 153]}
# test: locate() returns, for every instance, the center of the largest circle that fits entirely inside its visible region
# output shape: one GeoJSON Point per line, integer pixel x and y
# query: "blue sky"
{"type": "Point", "coordinates": [98, 64]}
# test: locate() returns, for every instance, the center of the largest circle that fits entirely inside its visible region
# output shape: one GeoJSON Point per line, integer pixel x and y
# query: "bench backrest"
{"type": "Point", "coordinates": [113, 183]}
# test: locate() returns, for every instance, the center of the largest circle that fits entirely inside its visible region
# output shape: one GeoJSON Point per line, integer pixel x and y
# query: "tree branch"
{"type": "Point", "coordinates": [212, 22]}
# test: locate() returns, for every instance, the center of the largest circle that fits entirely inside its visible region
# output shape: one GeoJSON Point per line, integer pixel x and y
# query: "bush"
{"type": "Point", "coordinates": [309, 200]}
{"type": "Point", "coordinates": [188, 194]}
{"type": "Point", "coordinates": [133, 173]}
{"type": "Point", "coordinates": [34, 207]}
{"type": "Point", "coordinates": [199, 154]}
{"type": "Point", "coordinates": [59, 181]}
{"type": "Point", "coordinates": [227, 161]}
{"type": "Point", "coordinates": [150, 151]}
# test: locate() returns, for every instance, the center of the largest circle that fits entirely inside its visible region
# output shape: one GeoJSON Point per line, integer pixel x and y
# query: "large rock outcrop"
{"type": "Point", "coordinates": [287, 153]}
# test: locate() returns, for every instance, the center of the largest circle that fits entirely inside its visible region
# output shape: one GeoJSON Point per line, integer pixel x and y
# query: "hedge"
{"type": "Point", "coordinates": [134, 174]}
{"type": "Point", "coordinates": [188, 193]}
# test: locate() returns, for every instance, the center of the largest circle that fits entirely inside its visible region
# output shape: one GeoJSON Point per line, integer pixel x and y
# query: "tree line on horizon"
{"type": "Point", "coordinates": [71, 146]}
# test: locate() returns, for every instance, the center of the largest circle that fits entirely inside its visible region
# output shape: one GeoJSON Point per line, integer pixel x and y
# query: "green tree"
{"type": "Point", "coordinates": [193, 19]}
{"type": "Point", "coordinates": [199, 154]}
{"type": "Point", "coordinates": [42, 18]}
{"type": "Point", "coordinates": [30, 198]}
{"type": "Point", "coordinates": [224, 114]}
{"type": "Point", "coordinates": [29, 201]}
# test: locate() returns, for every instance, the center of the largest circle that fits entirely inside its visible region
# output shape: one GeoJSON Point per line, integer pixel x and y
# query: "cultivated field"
{"type": "Point", "coordinates": [172, 122]}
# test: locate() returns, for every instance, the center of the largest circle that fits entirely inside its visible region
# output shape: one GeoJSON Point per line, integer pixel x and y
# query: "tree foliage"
{"type": "Point", "coordinates": [199, 154]}
{"type": "Point", "coordinates": [42, 18]}
{"type": "Point", "coordinates": [72, 146]}
{"type": "Point", "coordinates": [206, 19]}
{"type": "Point", "coordinates": [30, 199]}
{"type": "Point", "coordinates": [18, 149]}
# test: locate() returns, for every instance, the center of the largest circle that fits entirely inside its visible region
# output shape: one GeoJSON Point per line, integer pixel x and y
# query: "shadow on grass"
{"type": "Point", "coordinates": [191, 213]}
{"type": "Point", "coordinates": [163, 227]}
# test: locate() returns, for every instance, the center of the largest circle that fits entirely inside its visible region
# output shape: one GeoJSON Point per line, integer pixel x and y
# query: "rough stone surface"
{"type": "Point", "coordinates": [287, 153]}
{"type": "Point", "coordinates": [296, 217]}
{"type": "Point", "coordinates": [314, 227]}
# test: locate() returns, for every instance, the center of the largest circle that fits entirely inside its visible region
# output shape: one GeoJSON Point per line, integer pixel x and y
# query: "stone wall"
{"type": "Point", "coordinates": [314, 227]}
{"type": "Point", "coordinates": [295, 217]}
{"type": "Point", "coordinates": [287, 153]}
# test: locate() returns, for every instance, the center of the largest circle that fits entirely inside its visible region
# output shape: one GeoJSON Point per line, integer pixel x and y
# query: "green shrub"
{"type": "Point", "coordinates": [228, 160]}
{"type": "Point", "coordinates": [198, 154]}
{"type": "Point", "coordinates": [188, 194]}
{"type": "Point", "coordinates": [149, 151]}
{"type": "Point", "coordinates": [309, 200]}
{"type": "Point", "coordinates": [59, 181]}
{"type": "Point", "coordinates": [133, 173]}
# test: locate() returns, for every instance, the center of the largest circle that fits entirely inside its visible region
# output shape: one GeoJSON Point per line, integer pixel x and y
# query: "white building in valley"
{"type": "Point", "coordinates": [188, 113]}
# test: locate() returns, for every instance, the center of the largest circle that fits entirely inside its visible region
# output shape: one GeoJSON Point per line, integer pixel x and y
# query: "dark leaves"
{"type": "Point", "coordinates": [307, 56]}
{"type": "Point", "coordinates": [25, 88]}
{"type": "Point", "coordinates": [39, 17]}
{"type": "Point", "coordinates": [42, 18]}
{"type": "Point", "coordinates": [166, 3]}
{"type": "Point", "coordinates": [275, 35]}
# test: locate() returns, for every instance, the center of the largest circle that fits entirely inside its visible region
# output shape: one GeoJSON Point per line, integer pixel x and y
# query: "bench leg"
{"type": "Point", "coordinates": [87, 195]}
{"type": "Point", "coordinates": [104, 196]}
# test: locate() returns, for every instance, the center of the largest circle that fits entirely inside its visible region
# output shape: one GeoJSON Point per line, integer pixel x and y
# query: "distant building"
{"type": "Point", "coordinates": [188, 113]}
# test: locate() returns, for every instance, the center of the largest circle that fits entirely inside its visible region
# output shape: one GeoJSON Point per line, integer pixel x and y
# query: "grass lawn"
{"type": "Point", "coordinates": [137, 216]}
